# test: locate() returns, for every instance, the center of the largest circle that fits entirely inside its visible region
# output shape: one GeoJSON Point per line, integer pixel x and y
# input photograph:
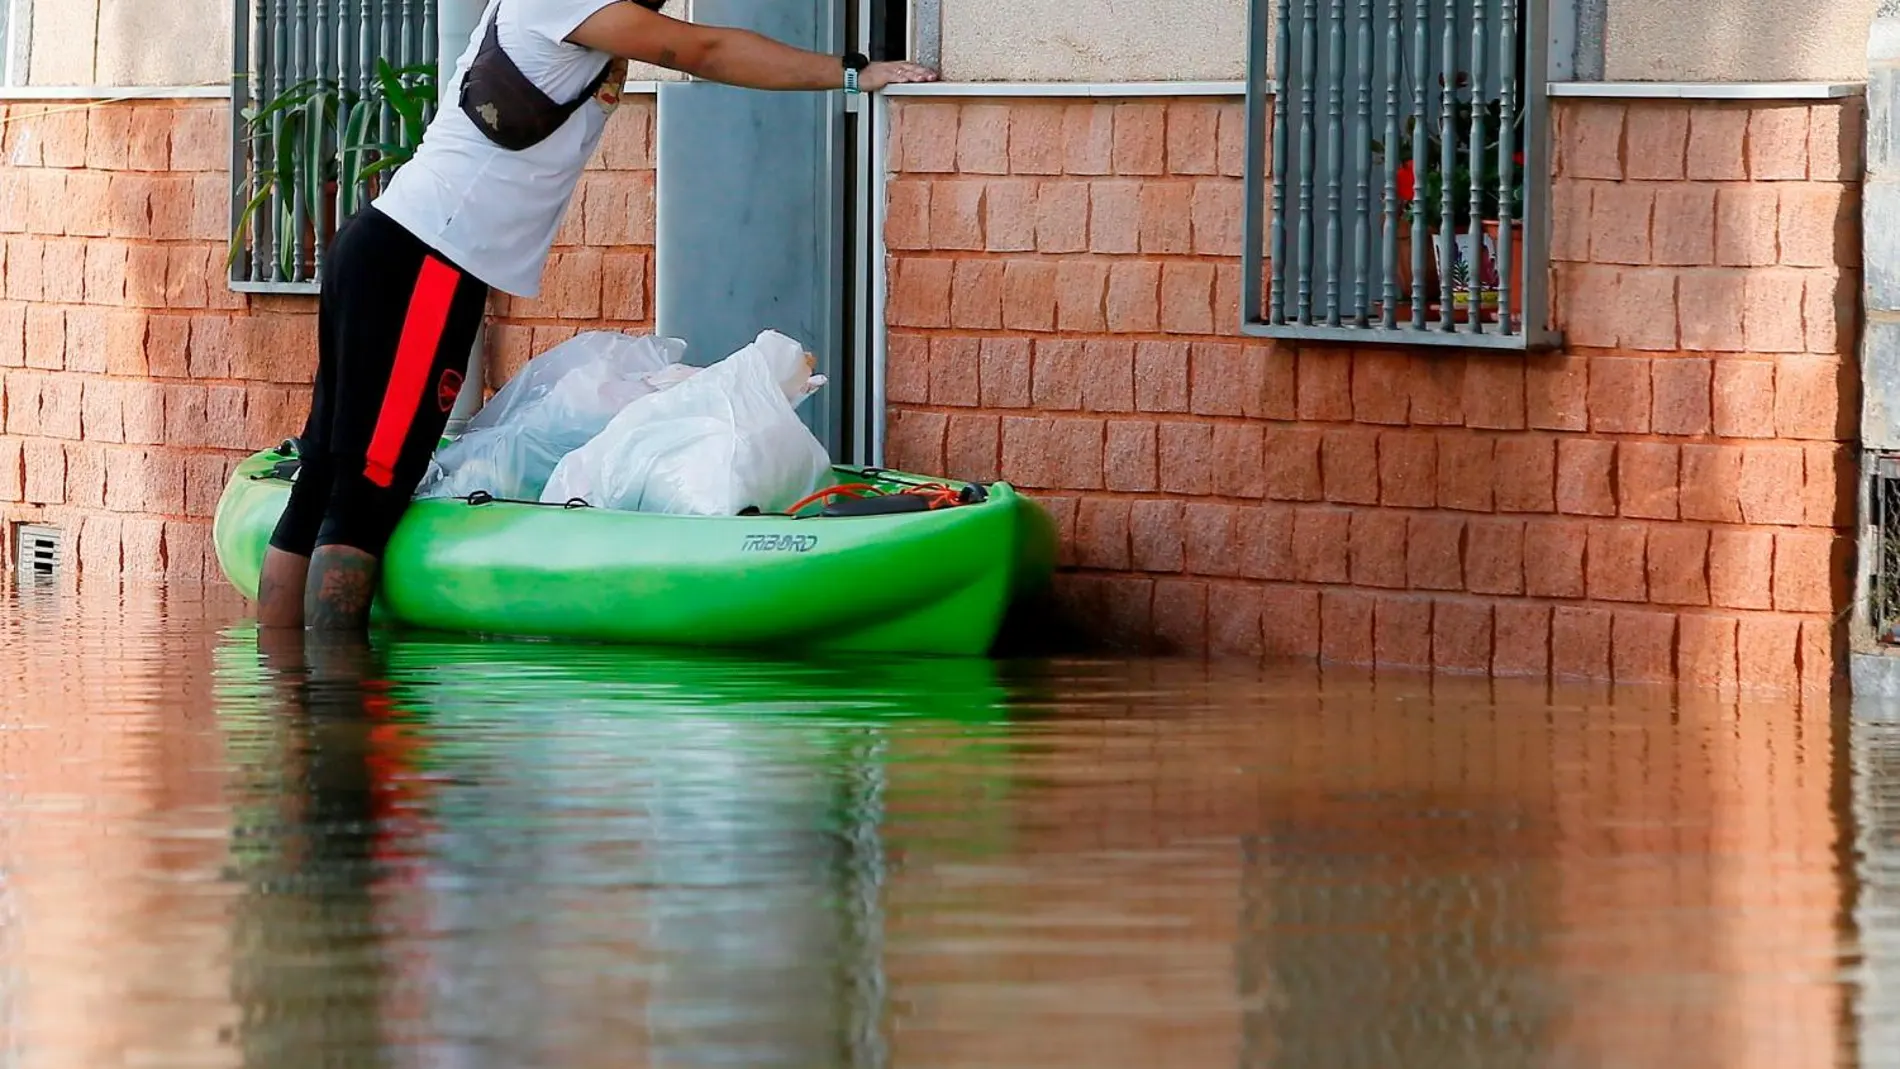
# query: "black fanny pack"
{"type": "Point", "coordinates": [508, 108]}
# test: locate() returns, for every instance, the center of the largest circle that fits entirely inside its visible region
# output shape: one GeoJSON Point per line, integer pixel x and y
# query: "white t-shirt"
{"type": "Point", "coordinates": [492, 211]}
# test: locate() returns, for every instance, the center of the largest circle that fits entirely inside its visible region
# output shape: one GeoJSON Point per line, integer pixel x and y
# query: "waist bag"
{"type": "Point", "coordinates": [509, 109]}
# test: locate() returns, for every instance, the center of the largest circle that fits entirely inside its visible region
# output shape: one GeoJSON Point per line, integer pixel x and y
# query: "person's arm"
{"type": "Point", "coordinates": [722, 54]}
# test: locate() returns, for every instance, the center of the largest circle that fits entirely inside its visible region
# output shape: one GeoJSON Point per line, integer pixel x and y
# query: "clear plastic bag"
{"type": "Point", "coordinates": [563, 398]}
{"type": "Point", "coordinates": [725, 440]}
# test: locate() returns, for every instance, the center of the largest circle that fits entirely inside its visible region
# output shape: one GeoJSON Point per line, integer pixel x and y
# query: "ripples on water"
{"type": "Point", "coordinates": [440, 852]}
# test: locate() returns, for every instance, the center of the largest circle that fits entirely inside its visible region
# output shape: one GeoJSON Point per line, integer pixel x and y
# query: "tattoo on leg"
{"type": "Point", "coordinates": [280, 587]}
{"type": "Point", "coordinates": [341, 587]}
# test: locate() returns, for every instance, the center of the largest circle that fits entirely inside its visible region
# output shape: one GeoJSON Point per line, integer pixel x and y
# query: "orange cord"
{"type": "Point", "coordinates": [940, 495]}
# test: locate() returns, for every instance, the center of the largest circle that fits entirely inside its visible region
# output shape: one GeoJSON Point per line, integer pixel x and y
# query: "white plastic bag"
{"type": "Point", "coordinates": [561, 399]}
{"type": "Point", "coordinates": [722, 441]}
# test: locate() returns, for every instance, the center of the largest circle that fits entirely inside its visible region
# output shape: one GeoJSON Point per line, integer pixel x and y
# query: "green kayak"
{"type": "Point", "coordinates": [940, 581]}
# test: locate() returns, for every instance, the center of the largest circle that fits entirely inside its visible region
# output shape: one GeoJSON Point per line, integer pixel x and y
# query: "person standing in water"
{"type": "Point", "coordinates": [406, 280]}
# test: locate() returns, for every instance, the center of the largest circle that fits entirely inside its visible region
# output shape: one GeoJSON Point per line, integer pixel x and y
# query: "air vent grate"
{"type": "Point", "coordinates": [36, 548]}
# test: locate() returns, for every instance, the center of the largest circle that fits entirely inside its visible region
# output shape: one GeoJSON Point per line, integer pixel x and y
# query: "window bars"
{"type": "Point", "coordinates": [1408, 202]}
{"type": "Point", "coordinates": [328, 97]}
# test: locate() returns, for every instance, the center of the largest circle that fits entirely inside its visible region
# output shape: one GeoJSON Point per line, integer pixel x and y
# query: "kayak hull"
{"type": "Point", "coordinates": [938, 582]}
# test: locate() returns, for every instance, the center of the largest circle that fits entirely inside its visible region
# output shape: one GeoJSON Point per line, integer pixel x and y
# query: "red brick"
{"type": "Point", "coordinates": [105, 273]}
{"type": "Point", "coordinates": [46, 199]}
{"type": "Point", "coordinates": [1293, 463]}
{"type": "Point", "coordinates": [189, 554]}
{"type": "Point", "coordinates": [88, 333]}
{"type": "Point", "coordinates": [1157, 542]}
{"type": "Point", "coordinates": [1580, 643]}
{"type": "Point", "coordinates": [210, 211]}
{"type": "Point", "coordinates": [1521, 636]}
{"type": "Point", "coordinates": [1741, 568]}
{"type": "Point", "coordinates": [1658, 140]}
{"type": "Point", "coordinates": [1434, 557]}
{"type": "Point", "coordinates": [1226, 297]}
{"type": "Point", "coordinates": [1057, 381]}
{"type": "Point", "coordinates": [920, 292]}
{"type": "Point", "coordinates": [1161, 376]}
{"type": "Point", "coordinates": [1557, 388]}
{"type": "Point", "coordinates": [1077, 446]}
{"type": "Point", "coordinates": [1217, 379]}
{"type": "Point", "coordinates": [1681, 399]}
{"type": "Point", "coordinates": [1615, 562]}
{"type": "Point", "coordinates": [916, 443]}
{"type": "Point", "coordinates": [12, 335]}
{"type": "Point", "coordinates": [1320, 541]}
{"type": "Point", "coordinates": [983, 139]}
{"type": "Point", "coordinates": [1494, 392]}
{"type": "Point", "coordinates": [1062, 217]}
{"type": "Point", "coordinates": [1834, 140]}
{"type": "Point", "coordinates": [1772, 308]}
{"type": "Point", "coordinates": [1705, 651]}
{"type": "Point", "coordinates": [1108, 375]}
{"type": "Point", "coordinates": [1115, 216]}
{"type": "Point", "coordinates": [1185, 457]}
{"type": "Point", "coordinates": [1822, 652]}
{"type": "Point", "coordinates": [1647, 309]}
{"type": "Point", "coordinates": [1526, 474]}
{"type": "Point", "coordinates": [102, 416]}
{"type": "Point", "coordinates": [1709, 302]}
{"type": "Point", "coordinates": [1744, 399]}
{"type": "Point", "coordinates": [1377, 549]}
{"type": "Point", "coordinates": [1290, 623]}
{"type": "Point", "coordinates": [1272, 381]}
{"type": "Point", "coordinates": [1831, 311]}
{"type": "Point", "coordinates": [1130, 607]}
{"type": "Point", "coordinates": [86, 475]}
{"type": "Point", "coordinates": [1187, 291]}
{"type": "Point", "coordinates": [1239, 468]}
{"type": "Point", "coordinates": [1833, 478]}
{"type": "Point", "coordinates": [1217, 218]}
{"type": "Point", "coordinates": [45, 337]}
{"type": "Point", "coordinates": [623, 286]}
{"type": "Point", "coordinates": [1643, 647]}
{"type": "Point", "coordinates": [926, 136]}
{"type": "Point", "coordinates": [1679, 566]}
{"type": "Point", "coordinates": [1771, 484]}
{"type": "Point", "coordinates": [1778, 143]}
{"type": "Point", "coordinates": [1494, 556]}
{"type": "Point", "coordinates": [1647, 475]}
{"type": "Point", "coordinates": [954, 367]}
{"type": "Point", "coordinates": [1029, 297]}
{"type": "Point", "coordinates": [271, 414]}
{"type": "Point", "coordinates": [1619, 395]}
{"type": "Point", "coordinates": [1813, 571]}
{"type": "Point", "coordinates": [1461, 637]}
{"type": "Point", "coordinates": [1380, 386]}
{"type": "Point", "coordinates": [1140, 138]}
{"type": "Point", "coordinates": [63, 267]}
{"type": "Point", "coordinates": [89, 204]}
{"type": "Point", "coordinates": [1766, 651]}
{"type": "Point", "coordinates": [13, 202]}
{"type": "Point", "coordinates": [23, 403]}
{"type": "Point", "coordinates": [1035, 138]}
{"type": "Point", "coordinates": [1620, 223]}
{"type": "Point", "coordinates": [1747, 225]}
{"type": "Point", "coordinates": [1234, 613]}
{"type": "Point", "coordinates": [1584, 291]}
{"type": "Point", "coordinates": [1467, 472]}
{"type": "Point", "coordinates": [1592, 140]}
{"type": "Point", "coordinates": [45, 467]}
{"type": "Point", "coordinates": [143, 538]}
{"type": "Point", "coordinates": [1809, 396]}
{"type": "Point", "coordinates": [1437, 389]}
{"type": "Point", "coordinates": [1263, 535]}
{"type": "Point", "coordinates": [1101, 534]}
{"type": "Point", "coordinates": [1819, 226]}
{"type": "Point", "coordinates": [1553, 558]}
{"type": "Point", "coordinates": [1167, 218]}
{"type": "Point", "coordinates": [1193, 137]}
{"type": "Point", "coordinates": [1006, 373]}
{"type": "Point", "coordinates": [907, 214]}
{"type": "Point", "coordinates": [1209, 538]}
{"type": "Point", "coordinates": [1063, 510]}
{"type": "Point", "coordinates": [25, 275]}
{"type": "Point", "coordinates": [1570, 206]}
{"type": "Point", "coordinates": [1402, 632]}
{"type": "Point", "coordinates": [1081, 296]}
{"type": "Point", "coordinates": [1349, 466]}
{"type": "Point", "coordinates": [1134, 297]}
{"type": "Point", "coordinates": [61, 403]}
{"type": "Point", "coordinates": [1325, 385]}
{"type": "Point", "coordinates": [1717, 135]}
{"type": "Point", "coordinates": [1345, 627]}
{"type": "Point", "coordinates": [956, 215]}
{"type": "Point", "coordinates": [1232, 137]}
{"type": "Point", "coordinates": [976, 295]}
{"type": "Point", "coordinates": [1129, 457]}
{"type": "Point", "coordinates": [1408, 469]}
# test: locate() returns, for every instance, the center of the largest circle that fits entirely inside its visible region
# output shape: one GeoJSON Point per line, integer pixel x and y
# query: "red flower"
{"type": "Point", "coordinates": [1408, 183]}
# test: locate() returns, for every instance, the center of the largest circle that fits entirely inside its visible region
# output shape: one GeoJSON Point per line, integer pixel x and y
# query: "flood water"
{"type": "Point", "coordinates": [439, 852]}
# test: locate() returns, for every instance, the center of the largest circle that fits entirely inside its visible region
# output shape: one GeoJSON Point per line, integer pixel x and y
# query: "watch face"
{"type": "Point", "coordinates": [857, 61]}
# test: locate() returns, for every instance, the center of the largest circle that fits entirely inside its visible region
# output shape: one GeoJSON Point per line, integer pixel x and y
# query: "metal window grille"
{"type": "Point", "coordinates": [327, 98]}
{"type": "Point", "coordinates": [1402, 198]}
{"type": "Point", "coordinates": [1884, 503]}
{"type": "Point", "coordinates": [35, 551]}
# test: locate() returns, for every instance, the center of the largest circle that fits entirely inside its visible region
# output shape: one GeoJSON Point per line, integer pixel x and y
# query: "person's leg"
{"type": "Point", "coordinates": [404, 341]}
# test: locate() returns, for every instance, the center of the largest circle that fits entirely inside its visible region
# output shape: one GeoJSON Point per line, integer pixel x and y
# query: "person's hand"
{"type": "Point", "coordinates": [878, 75]}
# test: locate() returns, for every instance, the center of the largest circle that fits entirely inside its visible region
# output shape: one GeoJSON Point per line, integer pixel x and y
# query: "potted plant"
{"type": "Point", "coordinates": [316, 147]}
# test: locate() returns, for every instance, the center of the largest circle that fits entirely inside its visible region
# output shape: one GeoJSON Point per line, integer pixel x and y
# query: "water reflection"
{"type": "Point", "coordinates": [225, 848]}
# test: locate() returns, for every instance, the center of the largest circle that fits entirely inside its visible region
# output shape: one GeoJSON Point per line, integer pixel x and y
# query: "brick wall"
{"type": "Point", "coordinates": [132, 378]}
{"type": "Point", "coordinates": [1669, 498]}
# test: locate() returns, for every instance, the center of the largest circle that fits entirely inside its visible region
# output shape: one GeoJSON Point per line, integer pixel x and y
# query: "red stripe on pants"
{"type": "Point", "coordinates": [415, 356]}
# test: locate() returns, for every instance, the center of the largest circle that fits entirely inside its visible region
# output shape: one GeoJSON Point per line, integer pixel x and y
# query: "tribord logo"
{"type": "Point", "coordinates": [779, 543]}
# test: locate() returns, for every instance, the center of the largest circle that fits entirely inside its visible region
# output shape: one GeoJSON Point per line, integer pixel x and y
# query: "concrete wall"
{"type": "Point", "coordinates": [1737, 40]}
{"type": "Point", "coordinates": [130, 42]}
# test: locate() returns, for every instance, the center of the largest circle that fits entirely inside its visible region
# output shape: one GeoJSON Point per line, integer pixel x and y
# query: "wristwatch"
{"type": "Point", "coordinates": [853, 63]}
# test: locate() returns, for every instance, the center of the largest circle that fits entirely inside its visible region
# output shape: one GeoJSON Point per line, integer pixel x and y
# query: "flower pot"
{"type": "Point", "coordinates": [1491, 228]}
